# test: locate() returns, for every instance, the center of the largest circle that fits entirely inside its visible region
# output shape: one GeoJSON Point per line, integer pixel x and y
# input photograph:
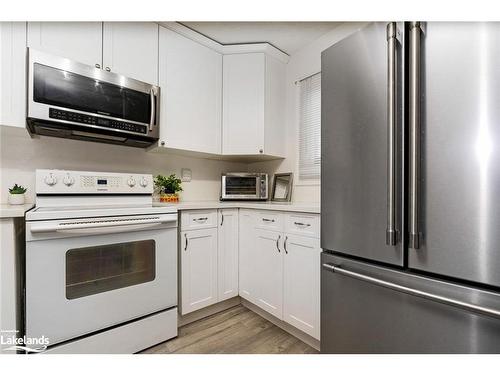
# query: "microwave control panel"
{"type": "Point", "coordinates": [80, 118]}
{"type": "Point", "coordinates": [55, 181]}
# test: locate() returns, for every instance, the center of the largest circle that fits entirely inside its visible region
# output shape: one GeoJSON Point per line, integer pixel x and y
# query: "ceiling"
{"type": "Point", "coordinates": [287, 36]}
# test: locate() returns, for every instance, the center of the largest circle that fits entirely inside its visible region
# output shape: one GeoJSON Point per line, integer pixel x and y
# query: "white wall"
{"type": "Point", "coordinates": [304, 62]}
{"type": "Point", "coordinates": [20, 156]}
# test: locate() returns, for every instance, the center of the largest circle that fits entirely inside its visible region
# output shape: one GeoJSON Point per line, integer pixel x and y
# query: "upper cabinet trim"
{"type": "Point", "coordinates": [226, 49]}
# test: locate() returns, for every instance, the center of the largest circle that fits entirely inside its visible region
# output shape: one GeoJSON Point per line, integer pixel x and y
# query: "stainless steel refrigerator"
{"type": "Point", "coordinates": [410, 190]}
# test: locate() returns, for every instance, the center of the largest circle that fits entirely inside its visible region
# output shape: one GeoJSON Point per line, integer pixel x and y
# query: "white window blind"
{"type": "Point", "coordinates": [310, 128]}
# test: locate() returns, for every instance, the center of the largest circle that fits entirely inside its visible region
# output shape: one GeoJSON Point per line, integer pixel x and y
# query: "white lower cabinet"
{"type": "Point", "coordinates": [198, 269]}
{"type": "Point", "coordinates": [280, 269]}
{"type": "Point", "coordinates": [270, 258]}
{"type": "Point", "coordinates": [248, 265]}
{"type": "Point", "coordinates": [270, 272]}
{"type": "Point", "coordinates": [301, 283]}
{"type": "Point", "coordinates": [227, 253]}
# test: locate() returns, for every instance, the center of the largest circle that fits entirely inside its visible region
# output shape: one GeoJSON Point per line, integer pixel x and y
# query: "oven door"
{"type": "Point", "coordinates": [240, 187]}
{"type": "Point", "coordinates": [83, 276]}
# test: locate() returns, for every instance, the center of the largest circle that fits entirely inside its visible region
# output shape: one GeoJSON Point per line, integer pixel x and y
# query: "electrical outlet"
{"type": "Point", "coordinates": [186, 175]}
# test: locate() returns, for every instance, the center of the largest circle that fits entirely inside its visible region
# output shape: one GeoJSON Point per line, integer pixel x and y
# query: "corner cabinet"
{"type": "Point", "coordinates": [227, 253]}
{"type": "Point", "coordinates": [253, 109]}
{"type": "Point", "coordinates": [13, 74]}
{"type": "Point", "coordinates": [190, 77]}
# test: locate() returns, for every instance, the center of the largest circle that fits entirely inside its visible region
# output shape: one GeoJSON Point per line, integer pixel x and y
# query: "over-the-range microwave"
{"type": "Point", "coordinates": [72, 100]}
{"type": "Point", "coordinates": [244, 186]}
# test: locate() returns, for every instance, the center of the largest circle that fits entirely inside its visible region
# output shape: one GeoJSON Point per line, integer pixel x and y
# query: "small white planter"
{"type": "Point", "coordinates": [16, 198]}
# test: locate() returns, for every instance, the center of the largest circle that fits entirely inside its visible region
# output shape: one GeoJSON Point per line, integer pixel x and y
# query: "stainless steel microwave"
{"type": "Point", "coordinates": [73, 100]}
{"type": "Point", "coordinates": [244, 186]}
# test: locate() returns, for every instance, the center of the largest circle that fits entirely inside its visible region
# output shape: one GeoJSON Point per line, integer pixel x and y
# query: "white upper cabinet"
{"type": "Point", "coordinates": [301, 307]}
{"type": "Point", "coordinates": [253, 105]}
{"type": "Point", "coordinates": [79, 41]}
{"type": "Point", "coordinates": [190, 77]}
{"type": "Point", "coordinates": [13, 73]}
{"type": "Point", "coordinates": [227, 253]}
{"type": "Point", "coordinates": [131, 49]}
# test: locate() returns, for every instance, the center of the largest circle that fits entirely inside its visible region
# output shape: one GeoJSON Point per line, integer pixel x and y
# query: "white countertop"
{"type": "Point", "coordinates": [274, 206]}
{"type": "Point", "coordinates": [14, 210]}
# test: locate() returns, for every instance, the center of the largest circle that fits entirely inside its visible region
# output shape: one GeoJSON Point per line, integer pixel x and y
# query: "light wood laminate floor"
{"type": "Point", "coordinates": [233, 331]}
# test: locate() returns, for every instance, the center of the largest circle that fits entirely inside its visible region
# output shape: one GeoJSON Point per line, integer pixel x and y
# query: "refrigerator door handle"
{"type": "Point", "coordinates": [391, 235]}
{"type": "Point", "coordinates": [414, 190]}
{"type": "Point", "coordinates": [415, 292]}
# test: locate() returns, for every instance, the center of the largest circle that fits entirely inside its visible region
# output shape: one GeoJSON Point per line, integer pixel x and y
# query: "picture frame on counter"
{"type": "Point", "coordinates": [282, 187]}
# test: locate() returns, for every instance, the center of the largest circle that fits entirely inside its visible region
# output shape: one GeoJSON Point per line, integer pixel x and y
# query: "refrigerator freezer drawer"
{"type": "Point", "coordinates": [372, 309]}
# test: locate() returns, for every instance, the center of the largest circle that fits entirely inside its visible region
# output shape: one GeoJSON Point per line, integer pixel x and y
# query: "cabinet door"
{"type": "Point", "coordinates": [79, 41]}
{"type": "Point", "coordinates": [270, 271]}
{"type": "Point", "coordinates": [190, 79]}
{"type": "Point", "coordinates": [248, 267]}
{"type": "Point", "coordinates": [227, 254]}
{"type": "Point", "coordinates": [131, 49]}
{"type": "Point", "coordinates": [13, 73]}
{"type": "Point", "coordinates": [243, 104]}
{"type": "Point", "coordinates": [198, 269]}
{"type": "Point", "coordinates": [301, 307]}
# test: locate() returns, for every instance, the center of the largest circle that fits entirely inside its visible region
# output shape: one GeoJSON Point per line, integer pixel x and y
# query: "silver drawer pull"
{"type": "Point", "coordinates": [302, 224]}
{"type": "Point", "coordinates": [201, 219]}
{"type": "Point", "coordinates": [268, 220]}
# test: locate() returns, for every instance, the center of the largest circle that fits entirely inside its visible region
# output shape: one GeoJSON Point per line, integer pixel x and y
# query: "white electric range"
{"type": "Point", "coordinates": [101, 263]}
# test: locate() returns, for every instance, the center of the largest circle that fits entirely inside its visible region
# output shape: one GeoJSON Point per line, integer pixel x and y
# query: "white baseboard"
{"type": "Point", "coordinates": [207, 311]}
{"type": "Point", "coordinates": [309, 340]}
{"type": "Point", "coordinates": [126, 339]}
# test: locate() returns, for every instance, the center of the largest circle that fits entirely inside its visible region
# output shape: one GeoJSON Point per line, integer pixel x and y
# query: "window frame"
{"type": "Point", "coordinates": [298, 180]}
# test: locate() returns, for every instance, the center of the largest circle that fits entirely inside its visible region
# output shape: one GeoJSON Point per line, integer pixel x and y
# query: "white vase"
{"type": "Point", "coordinates": [16, 198]}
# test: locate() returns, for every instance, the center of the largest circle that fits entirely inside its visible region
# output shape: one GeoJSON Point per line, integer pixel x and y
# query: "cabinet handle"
{"type": "Point", "coordinates": [185, 236]}
{"type": "Point", "coordinates": [108, 69]}
{"type": "Point", "coordinates": [284, 245]}
{"type": "Point", "coordinates": [277, 243]}
{"type": "Point", "coordinates": [268, 220]}
{"type": "Point", "coordinates": [201, 219]}
{"type": "Point", "coordinates": [302, 224]}
{"type": "Point", "coordinates": [98, 66]}
{"type": "Point", "coordinates": [222, 220]}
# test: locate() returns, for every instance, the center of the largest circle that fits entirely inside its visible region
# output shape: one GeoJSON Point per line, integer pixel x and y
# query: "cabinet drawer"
{"type": "Point", "coordinates": [270, 220]}
{"type": "Point", "coordinates": [302, 224]}
{"type": "Point", "coordinates": [198, 219]}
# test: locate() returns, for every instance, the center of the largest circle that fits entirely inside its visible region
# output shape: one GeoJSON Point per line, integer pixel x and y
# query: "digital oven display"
{"type": "Point", "coordinates": [102, 182]}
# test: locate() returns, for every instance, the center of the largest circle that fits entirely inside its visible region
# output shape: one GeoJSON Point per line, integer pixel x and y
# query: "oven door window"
{"type": "Point", "coordinates": [74, 91]}
{"type": "Point", "coordinates": [98, 269]}
{"type": "Point", "coordinates": [241, 185]}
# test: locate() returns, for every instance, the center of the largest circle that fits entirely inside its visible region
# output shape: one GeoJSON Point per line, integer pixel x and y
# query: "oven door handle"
{"type": "Point", "coordinates": [100, 227]}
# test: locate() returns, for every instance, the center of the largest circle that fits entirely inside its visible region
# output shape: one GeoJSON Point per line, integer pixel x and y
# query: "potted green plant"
{"type": "Point", "coordinates": [168, 187]}
{"type": "Point", "coordinates": [16, 194]}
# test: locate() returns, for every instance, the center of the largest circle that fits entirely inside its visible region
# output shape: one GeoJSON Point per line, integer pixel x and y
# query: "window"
{"type": "Point", "coordinates": [310, 128]}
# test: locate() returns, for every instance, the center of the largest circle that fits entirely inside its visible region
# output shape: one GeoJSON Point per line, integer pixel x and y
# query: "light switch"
{"type": "Point", "coordinates": [186, 174]}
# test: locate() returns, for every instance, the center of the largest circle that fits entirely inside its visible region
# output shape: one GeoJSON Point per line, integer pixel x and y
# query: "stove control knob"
{"type": "Point", "coordinates": [68, 180]}
{"type": "Point", "coordinates": [143, 182]}
{"type": "Point", "coordinates": [131, 182]}
{"type": "Point", "coordinates": [50, 180]}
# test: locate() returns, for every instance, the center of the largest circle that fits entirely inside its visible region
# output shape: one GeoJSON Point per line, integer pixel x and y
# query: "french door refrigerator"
{"type": "Point", "coordinates": [410, 188]}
